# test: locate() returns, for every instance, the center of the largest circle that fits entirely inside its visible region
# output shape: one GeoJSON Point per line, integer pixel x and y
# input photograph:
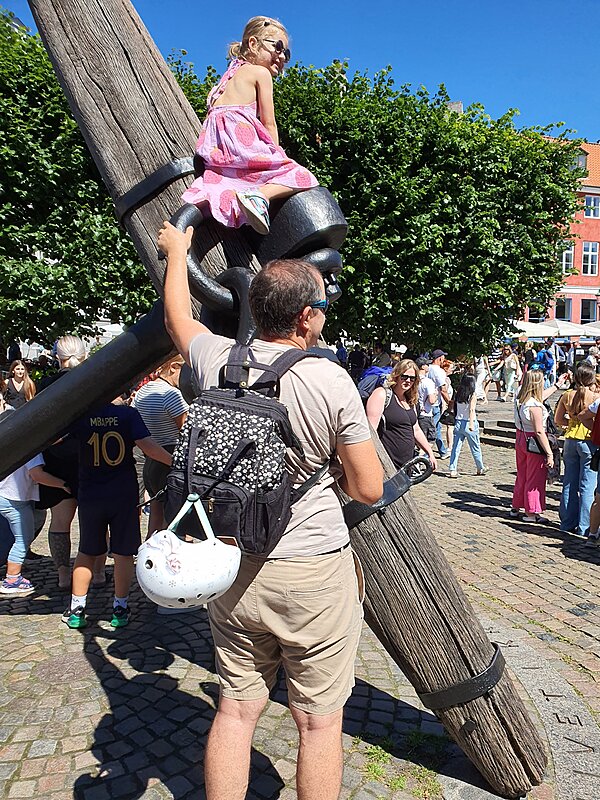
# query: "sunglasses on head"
{"type": "Point", "coordinates": [280, 48]}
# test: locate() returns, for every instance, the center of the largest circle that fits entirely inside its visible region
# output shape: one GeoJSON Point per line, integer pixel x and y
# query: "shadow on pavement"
{"type": "Point", "coordinates": [157, 675]}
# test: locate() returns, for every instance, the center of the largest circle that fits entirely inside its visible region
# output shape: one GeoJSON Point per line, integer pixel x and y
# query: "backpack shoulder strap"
{"type": "Point", "coordinates": [288, 359]}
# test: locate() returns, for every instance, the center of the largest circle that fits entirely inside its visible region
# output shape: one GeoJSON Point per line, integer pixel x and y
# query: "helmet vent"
{"type": "Point", "coordinates": [210, 597]}
{"type": "Point", "coordinates": [181, 600]}
{"type": "Point", "coordinates": [148, 564]}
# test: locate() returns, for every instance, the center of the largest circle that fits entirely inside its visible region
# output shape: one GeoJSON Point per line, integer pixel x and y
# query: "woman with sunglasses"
{"type": "Point", "coordinates": [244, 166]}
{"type": "Point", "coordinates": [391, 410]}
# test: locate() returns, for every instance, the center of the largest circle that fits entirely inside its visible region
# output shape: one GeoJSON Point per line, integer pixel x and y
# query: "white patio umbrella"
{"type": "Point", "coordinates": [534, 330]}
{"type": "Point", "coordinates": [562, 328]}
{"type": "Point", "coordinates": [592, 328]}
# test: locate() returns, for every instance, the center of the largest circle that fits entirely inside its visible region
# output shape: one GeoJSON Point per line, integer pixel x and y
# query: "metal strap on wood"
{"type": "Point", "coordinates": [145, 190]}
{"type": "Point", "coordinates": [414, 471]}
{"type": "Point", "coordinates": [468, 690]}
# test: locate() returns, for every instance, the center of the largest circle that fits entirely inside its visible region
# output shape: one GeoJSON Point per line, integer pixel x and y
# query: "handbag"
{"type": "Point", "coordinates": [532, 445]}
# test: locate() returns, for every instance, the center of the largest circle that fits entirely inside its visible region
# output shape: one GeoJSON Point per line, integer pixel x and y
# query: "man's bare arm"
{"type": "Point", "coordinates": [363, 473]}
{"type": "Point", "coordinates": [179, 320]}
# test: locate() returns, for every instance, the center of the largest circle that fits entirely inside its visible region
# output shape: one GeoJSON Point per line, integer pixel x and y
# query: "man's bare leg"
{"type": "Point", "coordinates": [320, 755]}
{"type": "Point", "coordinates": [227, 758]}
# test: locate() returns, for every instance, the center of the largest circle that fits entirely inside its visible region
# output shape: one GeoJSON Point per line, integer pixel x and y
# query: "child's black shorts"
{"type": "Point", "coordinates": [118, 514]}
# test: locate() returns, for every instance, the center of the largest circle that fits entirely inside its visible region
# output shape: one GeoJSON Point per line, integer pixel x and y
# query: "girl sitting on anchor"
{"type": "Point", "coordinates": [245, 168]}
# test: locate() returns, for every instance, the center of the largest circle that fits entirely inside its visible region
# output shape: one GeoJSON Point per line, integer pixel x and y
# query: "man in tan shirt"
{"type": "Point", "coordinates": [301, 607]}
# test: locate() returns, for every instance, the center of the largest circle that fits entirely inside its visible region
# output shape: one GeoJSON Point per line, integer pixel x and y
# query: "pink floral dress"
{"type": "Point", "coordinates": [239, 154]}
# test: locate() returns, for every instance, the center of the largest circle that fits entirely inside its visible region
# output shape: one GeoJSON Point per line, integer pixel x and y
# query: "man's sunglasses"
{"type": "Point", "coordinates": [280, 48]}
{"type": "Point", "coordinates": [322, 304]}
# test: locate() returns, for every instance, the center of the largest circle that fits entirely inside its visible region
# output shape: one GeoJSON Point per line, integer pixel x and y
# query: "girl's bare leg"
{"type": "Point", "coordinates": [275, 191]}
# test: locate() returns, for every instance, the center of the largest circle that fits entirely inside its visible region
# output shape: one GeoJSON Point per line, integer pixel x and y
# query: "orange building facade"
{"type": "Point", "coordinates": [579, 299]}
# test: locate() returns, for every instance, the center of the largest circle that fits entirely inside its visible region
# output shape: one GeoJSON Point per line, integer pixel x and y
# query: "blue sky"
{"type": "Point", "coordinates": [535, 55]}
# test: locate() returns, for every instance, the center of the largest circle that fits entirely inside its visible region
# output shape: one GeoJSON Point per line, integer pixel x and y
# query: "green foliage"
{"type": "Point", "coordinates": [65, 262]}
{"type": "Point", "coordinates": [455, 219]}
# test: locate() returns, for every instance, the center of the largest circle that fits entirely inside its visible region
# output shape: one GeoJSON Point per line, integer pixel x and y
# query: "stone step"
{"type": "Point", "coordinates": [505, 433]}
{"type": "Point", "coordinates": [506, 423]}
{"type": "Point", "coordinates": [496, 441]}
{"type": "Point", "coordinates": [492, 437]}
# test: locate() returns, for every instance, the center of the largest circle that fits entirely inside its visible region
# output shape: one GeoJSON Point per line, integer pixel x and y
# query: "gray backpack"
{"type": "Point", "coordinates": [231, 452]}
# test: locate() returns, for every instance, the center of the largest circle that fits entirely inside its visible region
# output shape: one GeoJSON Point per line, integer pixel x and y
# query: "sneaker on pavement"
{"type": "Point", "coordinates": [593, 540]}
{"type": "Point", "coordinates": [120, 617]}
{"type": "Point", "coordinates": [18, 586]}
{"type": "Point", "coordinates": [444, 457]}
{"type": "Point", "coordinates": [534, 518]}
{"type": "Point", "coordinates": [75, 617]}
{"type": "Point", "coordinates": [482, 471]}
{"type": "Point", "coordinates": [453, 474]}
{"type": "Point", "coordinates": [256, 207]}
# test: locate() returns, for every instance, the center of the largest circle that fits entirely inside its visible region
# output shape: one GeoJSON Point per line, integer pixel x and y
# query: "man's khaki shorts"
{"type": "Point", "coordinates": [305, 613]}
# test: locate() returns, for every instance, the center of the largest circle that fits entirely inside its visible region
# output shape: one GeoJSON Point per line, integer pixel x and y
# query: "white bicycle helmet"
{"type": "Point", "coordinates": [179, 574]}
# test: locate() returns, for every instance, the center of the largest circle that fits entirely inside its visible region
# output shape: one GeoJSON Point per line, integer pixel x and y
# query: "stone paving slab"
{"type": "Point", "coordinates": [99, 713]}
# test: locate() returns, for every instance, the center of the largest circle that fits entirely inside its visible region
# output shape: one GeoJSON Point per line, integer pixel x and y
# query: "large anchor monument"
{"type": "Point", "coordinates": [141, 130]}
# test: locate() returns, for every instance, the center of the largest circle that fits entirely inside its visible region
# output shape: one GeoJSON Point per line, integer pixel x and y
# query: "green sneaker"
{"type": "Point", "coordinates": [75, 617]}
{"type": "Point", "coordinates": [120, 617]}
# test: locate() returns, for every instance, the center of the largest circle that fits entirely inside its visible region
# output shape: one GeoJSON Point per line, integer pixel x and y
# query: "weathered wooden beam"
{"type": "Point", "coordinates": [133, 116]}
{"type": "Point", "coordinates": [135, 119]}
{"type": "Point", "coordinates": [418, 610]}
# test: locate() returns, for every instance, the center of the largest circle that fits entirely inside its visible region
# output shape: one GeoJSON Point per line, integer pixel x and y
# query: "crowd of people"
{"type": "Point", "coordinates": [91, 470]}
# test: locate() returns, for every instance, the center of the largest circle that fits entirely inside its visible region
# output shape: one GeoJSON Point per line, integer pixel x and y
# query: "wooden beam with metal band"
{"type": "Point", "coordinates": [148, 188]}
{"type": "Point", "coordinates": [467, 690]}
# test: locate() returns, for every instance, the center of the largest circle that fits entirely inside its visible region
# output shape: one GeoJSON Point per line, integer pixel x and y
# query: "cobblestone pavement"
{"type": "Point", "coordinates": [531, 576]}
{"type": "Point", "coordinates": [99, 713]}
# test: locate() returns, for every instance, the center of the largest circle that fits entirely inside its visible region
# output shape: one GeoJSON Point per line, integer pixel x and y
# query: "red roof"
{"type": "Point", "coordinates": [593, 164]}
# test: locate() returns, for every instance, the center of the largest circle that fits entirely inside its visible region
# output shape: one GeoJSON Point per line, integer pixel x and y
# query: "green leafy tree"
{"type": "Point", "coordinates": [64, 262]}
{"type": "Point", "coordinates": [455, 219]}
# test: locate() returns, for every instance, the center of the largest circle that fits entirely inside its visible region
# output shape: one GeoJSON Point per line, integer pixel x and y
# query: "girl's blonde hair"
{"type": "Point", "coordinates": [70, 351]}
{"type": "Point", "coordinates": [28, 384]}
{"type": "Point", "coordinates": [164, 368]}
{"type": "Point", "coordinates": [411, 396]}
{"type": "Point", "coordinates": [254, 27]}
{"type": "Point", "coordinates": [533, 386]}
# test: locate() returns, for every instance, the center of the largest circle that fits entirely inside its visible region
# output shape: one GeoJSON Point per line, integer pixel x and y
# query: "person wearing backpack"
{"type": "Point", "coordinates": [299, 605]}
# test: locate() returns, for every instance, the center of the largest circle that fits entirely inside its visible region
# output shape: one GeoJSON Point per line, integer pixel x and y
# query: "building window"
{"type": "Point", "coordinates": [589, 258]}
{"type": "Point", "coordinates": [588, 311]}
{"type": "Point", "coordinates": [592, 206]}
{"type": "Point", "coordinates": [536, 314]}
{"type": "Point", "coordinates": [581, 160]}
{"type": "Point", "coordinates": [562, 309]}
{"type": "Point", "coordinates": [567, 260]}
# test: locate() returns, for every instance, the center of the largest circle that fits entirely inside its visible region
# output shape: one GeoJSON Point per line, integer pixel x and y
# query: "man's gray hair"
{"type": "Point", "coordinates": [279, 293]}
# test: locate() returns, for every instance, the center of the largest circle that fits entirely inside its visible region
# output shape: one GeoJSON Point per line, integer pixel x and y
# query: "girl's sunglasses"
{"type": "Point", "coordinates": [280, 48]}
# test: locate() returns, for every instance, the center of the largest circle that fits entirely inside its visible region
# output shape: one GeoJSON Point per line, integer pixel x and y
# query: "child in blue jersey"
{"type": "Point", "coordinates": [107, 499]}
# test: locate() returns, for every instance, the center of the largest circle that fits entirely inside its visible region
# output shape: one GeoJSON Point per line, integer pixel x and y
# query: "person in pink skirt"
{"type": "Point", "coordinates": [531, 417]}
{"type": "Point", "coordinates": [245, 168]}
